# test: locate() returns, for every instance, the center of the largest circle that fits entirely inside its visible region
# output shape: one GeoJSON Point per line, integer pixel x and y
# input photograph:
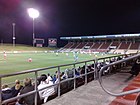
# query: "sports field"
{"type": "Point", "coordinates": [15, 62]}
{"type": "Point", "coordinates": [19, 62]}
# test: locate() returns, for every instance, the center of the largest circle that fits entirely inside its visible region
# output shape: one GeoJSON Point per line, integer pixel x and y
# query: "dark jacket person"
{"type": "Point", "coordinates": [136, 68]}
{"type": "Point", "coordinates": [28, 100]}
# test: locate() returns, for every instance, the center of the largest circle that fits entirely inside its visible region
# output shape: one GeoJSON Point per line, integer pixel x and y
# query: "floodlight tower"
{"type": "Point", "coordinates": [33, 13]}
{"type": "Point", "coordinates": [14, 38]}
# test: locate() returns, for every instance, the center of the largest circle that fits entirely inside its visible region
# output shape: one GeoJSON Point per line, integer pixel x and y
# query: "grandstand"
{"type": "Point", "coordinates": [118, 44]}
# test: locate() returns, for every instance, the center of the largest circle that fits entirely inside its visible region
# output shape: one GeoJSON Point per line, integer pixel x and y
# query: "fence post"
{"type": "Point", "coordinates": [58, 81]}
{"type": "Point", "coordinates": [85, 72]}
{"type": "Point", "coordinates": [36, 87]}
{"type": "Point", "coordinates": [74, 77]}
{"type": "Point", "coordinates": [95, 69]}
{"type": "Point", "coordinates": [104, 60]}
{"type": "Point", "coordinates": [0, 92]}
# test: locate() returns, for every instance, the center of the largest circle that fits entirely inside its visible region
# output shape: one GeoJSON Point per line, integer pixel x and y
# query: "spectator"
{"type": "Point", "coordinates": [6, 92]}
{"type": "Point", "coordinates": [54, 78]}
{"type": "Point", "coordinates": [44, 75]}
{"type": "Point", "coordinates": [135, 68]}
{"type": "Point", "coordinates": [56, 73]}
{"type": "Point", "coordinates": [66, 73]}
{"type": "Point", "coordinates": [118, 66]}
{"type": "Point", "coordinates": [4, 87]}
{"type": "Point", "coordinates": [15, 89]}
{"type": "Point", "coordinates": [28, 100]}
{"type": "Point", "coordinates": [70, 73]}
{"type": "Point", "coordinates": [49, 78]}
{"type": "Point", "coordinates": [39, 79]}
{"type": "Point", "coordinates": [63, 76]}
{"type": "Point", "coordinates": [45, 93]}
{"type": "Point", "coordinates": [76, 73]}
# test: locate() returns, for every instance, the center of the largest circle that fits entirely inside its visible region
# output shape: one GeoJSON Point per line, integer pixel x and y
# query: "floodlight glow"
{"type": "Point", "coordinates": [33, 13]}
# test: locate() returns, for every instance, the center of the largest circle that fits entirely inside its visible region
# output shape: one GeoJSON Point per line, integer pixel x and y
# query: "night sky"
{"type": "Point", "coordinates": [68, 18]}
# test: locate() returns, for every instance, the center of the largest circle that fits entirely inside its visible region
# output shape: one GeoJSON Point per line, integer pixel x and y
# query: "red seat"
{"type": "Point", "coordinates": [130, 99]}
{"type": "Point", "coordinates": [130, 87]}
{"type": "Point", "coordinates": [122, 102]}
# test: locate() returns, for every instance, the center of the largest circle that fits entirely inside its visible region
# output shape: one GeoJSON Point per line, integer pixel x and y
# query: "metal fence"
{"type": "Point", "coordinates": [114, 63]}
{"type": "Point", "coordinates": [35, 72]}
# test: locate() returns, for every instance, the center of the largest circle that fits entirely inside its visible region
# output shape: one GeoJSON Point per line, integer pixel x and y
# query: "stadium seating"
{"type": "Point", "coordinates": [124, 45]}
{"type": "Point", "coordinates": [75, 45]}
{"type": "Point", "coordinates": [90, 44]}
{"type": "Point", "coordinates": [130, 99]}
{"type": "Point", "coordinates": [118, 47]}
{"type": "Point", "coordinates": [96, 46]}
{"type": "Point", "coordinates": [122, 48]}
{"type": "Point", "coordinates": [133, 48]}
{"type": "Point", "coordinates": [105, 46]}
{"type": "Point", "coordinates": [68, 45]}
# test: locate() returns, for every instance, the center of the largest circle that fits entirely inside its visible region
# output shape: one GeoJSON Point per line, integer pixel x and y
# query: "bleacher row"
{"type": "Point", "coordinates": [130, 99]}
{"type": "Point", "coordinates": [111, 47]}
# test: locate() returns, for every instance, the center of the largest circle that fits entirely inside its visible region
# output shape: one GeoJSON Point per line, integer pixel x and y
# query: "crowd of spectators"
{"type": "Point", "coordinates": [47, 80]}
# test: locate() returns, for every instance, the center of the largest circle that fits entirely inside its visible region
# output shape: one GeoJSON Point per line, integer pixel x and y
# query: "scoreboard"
{"type": "Point", "coordinates": [52, 42]}
{"type": "Point", "coordinates": [39, 42]}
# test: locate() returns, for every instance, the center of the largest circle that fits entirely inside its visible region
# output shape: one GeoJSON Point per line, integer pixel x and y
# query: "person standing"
{"type": "Point", "coordinates": [75, 55]}
{"type": "Point", "coordinates": [4, 55]}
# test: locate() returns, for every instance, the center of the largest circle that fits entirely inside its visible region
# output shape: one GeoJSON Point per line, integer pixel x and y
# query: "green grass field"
{"type": "Point", "coordinates": [19, 62]}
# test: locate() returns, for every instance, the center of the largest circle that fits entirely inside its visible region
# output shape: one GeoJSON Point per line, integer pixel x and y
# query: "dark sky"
{"type": "Point", "coordinates": [68, 18]}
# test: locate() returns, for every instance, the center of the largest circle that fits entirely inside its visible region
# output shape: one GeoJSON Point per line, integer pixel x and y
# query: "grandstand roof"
{"type": "Point", "coordinates": [102, 36]}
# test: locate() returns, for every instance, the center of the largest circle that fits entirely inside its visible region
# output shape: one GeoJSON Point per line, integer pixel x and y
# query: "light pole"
{"type": "Point", "coordinates": [33, 13]}
{"type": "Point", "coordinates": [14, 38]}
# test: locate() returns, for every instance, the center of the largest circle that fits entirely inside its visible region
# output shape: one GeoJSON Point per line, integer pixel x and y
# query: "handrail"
{"type": "Point", "coordinates": [117, 62]}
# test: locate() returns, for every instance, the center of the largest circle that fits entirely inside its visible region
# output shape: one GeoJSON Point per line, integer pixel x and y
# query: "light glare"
{"type": "Point", "coordinates": [33, 13]}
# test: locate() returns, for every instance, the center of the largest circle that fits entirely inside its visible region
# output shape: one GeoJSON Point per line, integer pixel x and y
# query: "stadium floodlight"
{"type": "Point", "coordinates": [14, 38]}
{"type": "Point", "coordinates": [33, 13]}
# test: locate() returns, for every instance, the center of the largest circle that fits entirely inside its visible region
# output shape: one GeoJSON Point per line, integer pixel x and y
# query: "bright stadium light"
{"type": "Point", "coordinates": [33, 13]}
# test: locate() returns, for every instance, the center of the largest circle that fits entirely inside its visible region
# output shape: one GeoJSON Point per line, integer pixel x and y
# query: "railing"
{"type": "Point", "coordinates": [35, 71]}
{"type": "Point", "coordinates": [114, 63]}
